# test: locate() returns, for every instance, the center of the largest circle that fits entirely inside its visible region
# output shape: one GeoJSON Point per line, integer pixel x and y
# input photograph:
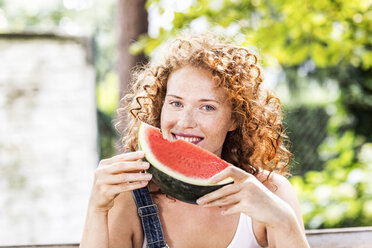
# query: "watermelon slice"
{"type": "Point", "coordinates": [179, 168]}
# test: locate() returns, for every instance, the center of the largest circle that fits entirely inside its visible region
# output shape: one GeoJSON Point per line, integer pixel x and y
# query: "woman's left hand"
{"type": "Point", "coordinates": [277, 209]}
{"type": "Point", "coordinates": [246, 195]}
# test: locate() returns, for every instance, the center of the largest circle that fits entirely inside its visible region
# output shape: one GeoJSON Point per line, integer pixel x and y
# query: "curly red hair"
{"type": "Point", "coordinates": [257, 142]}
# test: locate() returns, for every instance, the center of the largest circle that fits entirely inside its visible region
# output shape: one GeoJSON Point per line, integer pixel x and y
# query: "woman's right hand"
{"type": "Point", "coordinates": [116, 175]}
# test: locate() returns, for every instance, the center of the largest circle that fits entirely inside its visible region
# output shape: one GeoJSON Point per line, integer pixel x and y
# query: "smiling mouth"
{"type": "Point", "coordinates": [192, 139]}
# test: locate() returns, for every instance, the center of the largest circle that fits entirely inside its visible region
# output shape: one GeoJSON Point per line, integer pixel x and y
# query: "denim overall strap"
{"type": "Point", "coordinates": [148, 211]}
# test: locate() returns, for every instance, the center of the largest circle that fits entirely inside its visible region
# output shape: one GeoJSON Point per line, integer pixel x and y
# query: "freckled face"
{"type": "Point", "coordinates": [196, 110]}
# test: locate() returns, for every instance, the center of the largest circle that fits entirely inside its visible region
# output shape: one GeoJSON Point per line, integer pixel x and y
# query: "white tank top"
{"type": "Point", "coordinates": [244, 236]}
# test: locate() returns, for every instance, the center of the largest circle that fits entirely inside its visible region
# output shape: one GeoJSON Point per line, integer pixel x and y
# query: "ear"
{"type": "Point", "coordinates": [233, 125]}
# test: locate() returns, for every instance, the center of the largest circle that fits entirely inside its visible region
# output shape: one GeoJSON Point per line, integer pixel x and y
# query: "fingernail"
{"type": "Point", "coordinates": [199, 201]}
{"type": "Point", "coordinates": [145, 165]}
{"type": "Point", "coordinates": [141, 153]}
{"type": "Point", "coordinates": [211, 180]}
{"type": "Point", "coordinates": [148, 176]}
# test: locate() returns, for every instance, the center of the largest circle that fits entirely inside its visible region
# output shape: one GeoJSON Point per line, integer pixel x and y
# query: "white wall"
{"type": "Point", "coordinates": [48, 138]}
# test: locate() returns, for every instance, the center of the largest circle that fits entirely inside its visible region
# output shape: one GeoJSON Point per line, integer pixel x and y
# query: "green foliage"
{"type": "Point", "coordinates": [356, 96]}
{"type": "Point", "coordinates": [340, 194]}
{"type": "Point", "coordinates": [107, 137]}
{"type": "Point", "coordinates": [327, 32]}
{"type": "Point", "coordinates": [108, 94]}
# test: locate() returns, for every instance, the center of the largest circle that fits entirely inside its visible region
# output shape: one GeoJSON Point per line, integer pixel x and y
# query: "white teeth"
{"type": "Point", "coordinates": [188, 139]}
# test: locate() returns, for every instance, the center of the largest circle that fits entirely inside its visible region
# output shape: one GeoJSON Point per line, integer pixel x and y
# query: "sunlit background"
{"type": "Point", "coordinates": [59, 89]}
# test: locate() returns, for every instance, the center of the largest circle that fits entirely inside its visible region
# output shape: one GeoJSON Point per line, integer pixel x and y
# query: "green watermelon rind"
{"type": "Point", "coordinates": [178, 189]}
{"type": "Point", "coordinates": [166, 170]}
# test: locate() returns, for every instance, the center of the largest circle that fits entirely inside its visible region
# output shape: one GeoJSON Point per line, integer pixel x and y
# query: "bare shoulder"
{"type": "Point", "coordinates": [277, 183]}
{"type": "Point", "coordinates": [282, 188]}
{"type": "Point", "coordinates": [124, 225]}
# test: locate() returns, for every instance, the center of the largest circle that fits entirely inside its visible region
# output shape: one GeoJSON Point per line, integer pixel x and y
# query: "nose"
{"type": "Point", "coordinates": [186, 119]}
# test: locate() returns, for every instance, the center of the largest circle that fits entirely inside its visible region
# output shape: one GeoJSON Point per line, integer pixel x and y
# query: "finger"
{"type": "Point", "coordinates": [222, 192]}
{"type": "Point", "coordinates": [119, 188]}
{"type": "Point", "coordinates": [126, 178]}
{"type": "Point", "coordinates": [232, 171]}
{"type": "Point", "coordinates": [233, 209]}
{"type": "Point", "coordinates": [128, 166]}
{"type": "Point", "coordinates": [130, 156]}
{"type": "Point", "coordinates": [224, 201]}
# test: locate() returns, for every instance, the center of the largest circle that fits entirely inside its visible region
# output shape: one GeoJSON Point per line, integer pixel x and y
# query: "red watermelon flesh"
{"type": "Point", "coordinates": [180, 156]}
{"type": "Point", "coordinates": [184, 157]}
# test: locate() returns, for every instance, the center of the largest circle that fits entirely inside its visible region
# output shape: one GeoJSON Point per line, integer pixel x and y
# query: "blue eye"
{"type": "Point", "coordinates": [176, 104]}
{"type": "Point", "coordinates": [208, 108]}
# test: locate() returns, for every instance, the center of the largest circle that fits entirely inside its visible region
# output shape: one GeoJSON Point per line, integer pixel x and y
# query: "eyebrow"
{"type": "Point", "coordinates": [201, 100]}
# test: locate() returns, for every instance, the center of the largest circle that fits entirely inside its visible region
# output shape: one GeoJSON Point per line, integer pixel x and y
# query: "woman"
{"type": "Point", "coordinates": [210, 91]}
